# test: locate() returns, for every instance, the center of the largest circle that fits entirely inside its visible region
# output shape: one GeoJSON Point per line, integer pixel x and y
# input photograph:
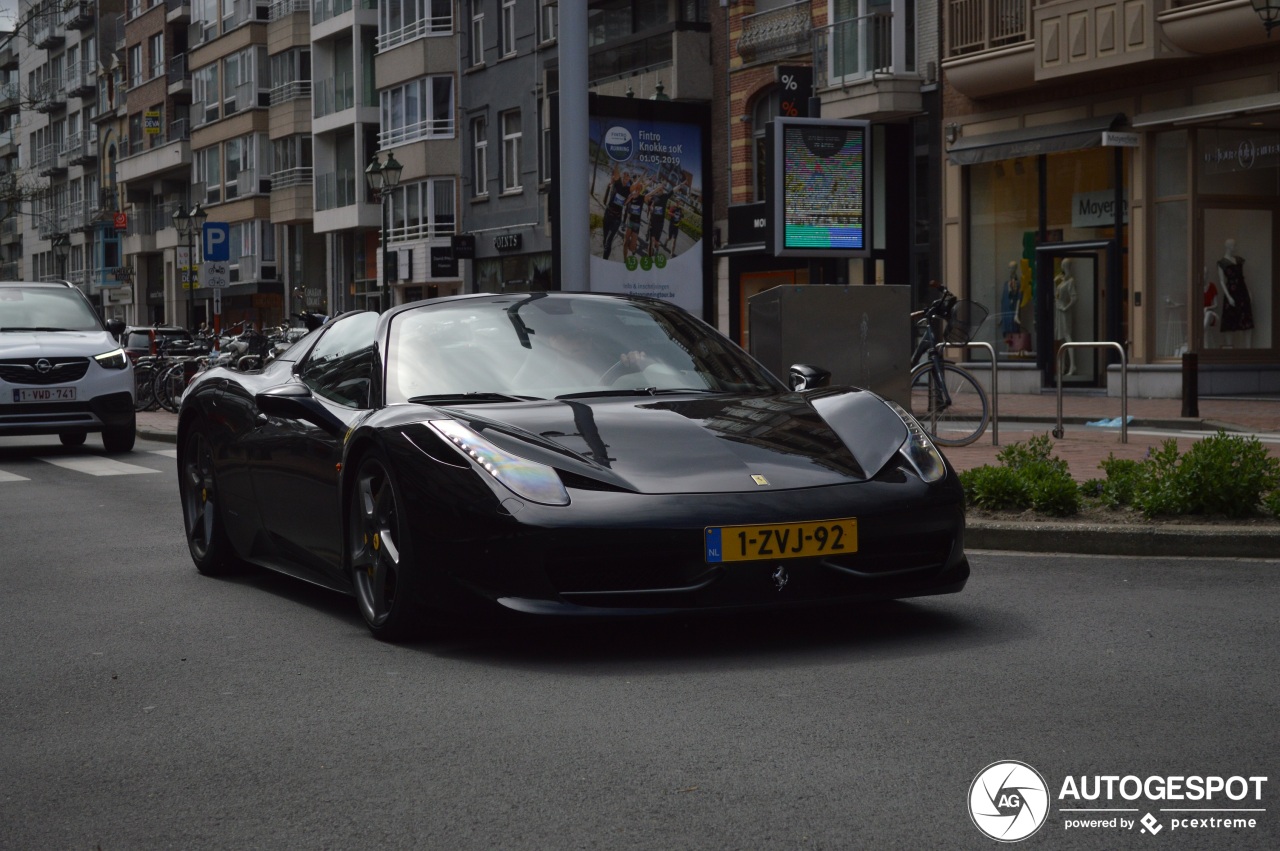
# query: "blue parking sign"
{"type": "Point", "coordinates": [216, 241]}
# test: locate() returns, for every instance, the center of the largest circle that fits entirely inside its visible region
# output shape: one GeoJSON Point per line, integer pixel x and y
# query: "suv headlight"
{"type": "Point", "coordinates": [918, 449]}
{"type": "Point", "coordinates": [114, 359]}
{"type": "Point", "coordinates": [526, 479]}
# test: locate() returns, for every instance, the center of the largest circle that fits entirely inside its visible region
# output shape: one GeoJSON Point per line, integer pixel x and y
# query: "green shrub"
{"type": "Point", "coordinates": [1223, 474]}
{"type": "Point", "coordinates": [995, 488]}
{"type": "Point", "coordinates": [1019, 455]}
{"type": "Point", "coordinates": [1271, 502]}
{"type": "Point", "coordinates": [1120, 484]}
{"type": "Point", "coordinates": [1051, 487]}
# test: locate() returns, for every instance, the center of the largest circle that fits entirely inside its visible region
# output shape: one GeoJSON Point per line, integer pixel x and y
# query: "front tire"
{"type": "Point", "coordinates": [73, 438]}
{"type": "Point", "coordinates": [121, 436]}
{"type": "Point", "coordinates": [201, 509]}
{"type": "Point", "coordinates": [956, 417]}
{"type": "Point", "coordinates": [387, 584]}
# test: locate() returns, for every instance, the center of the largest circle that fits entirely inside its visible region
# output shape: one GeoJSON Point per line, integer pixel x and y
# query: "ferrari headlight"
{"type": "Point", "coordinates": [115, 359]}
{"type": "Point", "coordinates": [918, 449]}
{"type": "Point", "coordinates": [526, 479]}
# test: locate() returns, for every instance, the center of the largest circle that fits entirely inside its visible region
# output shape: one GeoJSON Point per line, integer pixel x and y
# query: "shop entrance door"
{"type": "Point", "coordinates": [1072, 307]}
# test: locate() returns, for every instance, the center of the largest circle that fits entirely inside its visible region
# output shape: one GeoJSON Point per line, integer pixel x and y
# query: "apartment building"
{"type": "Point", "coordinates": [1132, 150]}
{"type": "Point", "coordinates": [65, 231]}
{"type": "Point", "coordinates": [11, 212]}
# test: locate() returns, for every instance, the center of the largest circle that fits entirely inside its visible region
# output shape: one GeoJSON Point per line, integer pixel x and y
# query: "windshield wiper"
{"type": "Point", "coordinates": [446, 398]}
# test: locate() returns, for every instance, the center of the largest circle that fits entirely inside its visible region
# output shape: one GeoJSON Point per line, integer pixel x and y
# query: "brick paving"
{"type": "Point", "coordinates": [1025, 415]}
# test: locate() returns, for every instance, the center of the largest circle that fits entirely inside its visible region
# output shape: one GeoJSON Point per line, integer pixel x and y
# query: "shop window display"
{"type": "Point", "coordinates": [1237, 289]}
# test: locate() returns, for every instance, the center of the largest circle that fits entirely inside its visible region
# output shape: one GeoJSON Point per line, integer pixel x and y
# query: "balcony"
{"type": "Point", "coordinates": [82, 78]}
{"type": "Point", "coordinates": [284, 8]}
{"type": "Point", "coordinates": [10, 234]}
{"type": "Point", "coordinates": [82, 148]}
{"type": "Point", "coordinates": [10, 98]}
{"type": "Point", "coordinates": [49, 95]}
{"type": "Point", "coordinates": [48, 32]}
{"type": "Point", "coordinates": [285, 92]}
{"type": "Point", "coordinates": [179, 76]}
{"type": "Point", "coordinates": [865, 68]}
{"type": "Point", "coordinates": [334, 95]}
{"type": "Point", "coordinates": [8, 144]}
{"type": "Point", "coordinates": [9, 57]}
{"type": "Point", "coordinates": [247, 11]}
{"type": "Point", "coordinates": [77, 14]}
{"type": "Point", "coordinates": [246, 182]}
{"type": "Point", "coordinates": [998, 46]}
{"type": "Point", "coordinates": [427, 25]}
{"type": "Point", "coordinates": [776, 34]}
{"type": "Point", "coordinates": [177, 11]}
{"type": "Point", "coordinates": [169, 158]}
{"type": "Point", "coordinates": [50, 160]}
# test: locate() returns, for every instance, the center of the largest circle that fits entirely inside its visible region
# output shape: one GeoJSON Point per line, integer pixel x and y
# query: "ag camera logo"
{"type": "Point", "coordinates": [619, 144]}
{"type": "Point", "coordinates": [1008, 801]}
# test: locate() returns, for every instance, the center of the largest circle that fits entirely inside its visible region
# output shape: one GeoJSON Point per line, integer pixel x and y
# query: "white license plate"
{"type": "Point", "coordinates": [45, 394]}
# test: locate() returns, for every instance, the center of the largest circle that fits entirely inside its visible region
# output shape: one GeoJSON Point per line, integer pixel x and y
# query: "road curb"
{"type": "Point", "coordinates": [159, 436]}
{"type": "Point", "coordinates": [1106, 539]}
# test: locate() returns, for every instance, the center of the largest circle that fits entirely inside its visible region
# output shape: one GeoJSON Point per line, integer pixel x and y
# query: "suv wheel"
{"type": "Point", "coordinates": [73, 438]}
{"type": "Point", "coordinates": [120, 438]}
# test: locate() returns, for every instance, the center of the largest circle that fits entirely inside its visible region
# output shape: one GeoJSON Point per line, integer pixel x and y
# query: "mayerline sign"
{"type": "Point", "coordinates": [1097, 209]}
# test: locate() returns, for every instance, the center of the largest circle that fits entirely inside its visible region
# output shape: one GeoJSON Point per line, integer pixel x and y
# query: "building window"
{"type": "Point", "coordinates": [548, 20]}
{"type": "Point", "coordinates": [155, 46]}
{"type": "Point", "coordinates": [404, 20]}
{"type": "Point", "coordinates": [208, 167]}
{"type": "Point", "coordinates": [135, 65]}
{"type": "Point", "coordinates": [508, 27]}
{"type": "Point", "coordinates": [511, 140]}
{"type": "Point", "coordinates": [480, 157]}
{"type": "Point", "coordinates": [477, 32]}
{"type": "Point", "coordinates": [423, 210]}
{"type": "Point", "coordinates": [421, 109]}
{"type": "Point", "coordinates": [544, 139]}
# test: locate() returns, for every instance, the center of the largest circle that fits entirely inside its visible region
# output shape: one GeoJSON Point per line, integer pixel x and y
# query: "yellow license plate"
{"type": "Point", "coordinates": [770, 542]}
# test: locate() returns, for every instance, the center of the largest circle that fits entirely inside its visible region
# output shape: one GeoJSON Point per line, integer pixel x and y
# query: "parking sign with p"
{"type": "Point", "coordinates": [217, 242]}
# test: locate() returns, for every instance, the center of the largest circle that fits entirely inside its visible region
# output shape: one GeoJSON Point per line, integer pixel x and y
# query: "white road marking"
{"type": "Point", "coordinates": [12, 477]}
{"type": "Point", "coordinates": [98, 466]}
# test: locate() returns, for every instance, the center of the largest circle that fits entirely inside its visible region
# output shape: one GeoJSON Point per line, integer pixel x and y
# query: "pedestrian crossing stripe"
{"type": "Point", "coordinates": [98, 466]}
{"type": "Point", "coordinates": [12, 477]}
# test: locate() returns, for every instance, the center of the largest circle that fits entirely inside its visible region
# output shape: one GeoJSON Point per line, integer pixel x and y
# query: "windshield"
{"type": "Point", "coordinates": [45, 309]}
{"type": "Point", "coordinates": [549, 345]}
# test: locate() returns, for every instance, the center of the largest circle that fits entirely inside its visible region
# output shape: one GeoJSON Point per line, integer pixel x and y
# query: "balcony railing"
{"type": "Point", "coordinates": [284, 8]}
{"type": "Point", "coordinates": [861, 49]}
{"type": "Point", "coordinates": [323, 10]}
{"type": "Point", "coordinates": [291, 178]}
{"type": "Point", "coordinates": [179, 130]}
{"type": "Point", "coordinates": [428, 25]}
{"type": "Point", "coordinates": [336, 190]}
{"type": "Point", "coordinates": [776, 33]}
{"type": "Point", "coordinates": [244, 11]}
{"type": "Point", "coordinates": [428, 128]}
{"type": "Point", "coordinates": [973, 26]}
{"type": "Point", "coordinates": [334, 95]}
{"type": "Point", "coordinates": [296, 90]}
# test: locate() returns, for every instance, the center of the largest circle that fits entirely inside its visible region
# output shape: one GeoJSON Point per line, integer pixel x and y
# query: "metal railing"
{"type": "Point", "coordinates": [292, 177]}
{"type": "Point", "coordinates": [1058, 431]}
{"type": "Point", "coordinates": [334, 95]}
{"type": "Point", "coordinates": [427, 25]}
{"type": "Point", "coordinates": [995, 383]}
{"type": "Point", "coordinates": [973, 26]}
{"type": "Point", "coordinates": [294, 90]}
{"type": "Point", "coordinates": [283, 8]}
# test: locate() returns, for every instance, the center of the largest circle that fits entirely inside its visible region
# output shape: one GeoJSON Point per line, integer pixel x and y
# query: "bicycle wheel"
{"type": "Point", "coordinates": [169, 384]}
{"type": "Point", "coordinates": [144, 394]}
{"type": "Point", "coordinates": [954, 415]}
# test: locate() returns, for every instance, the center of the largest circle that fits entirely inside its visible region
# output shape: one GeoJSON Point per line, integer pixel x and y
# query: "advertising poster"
{"type": "Point", "coordinates": [646, 204]}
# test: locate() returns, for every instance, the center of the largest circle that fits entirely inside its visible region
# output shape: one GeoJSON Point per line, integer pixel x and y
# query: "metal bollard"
{"type": "Point", "coordinates": [1190, 384]}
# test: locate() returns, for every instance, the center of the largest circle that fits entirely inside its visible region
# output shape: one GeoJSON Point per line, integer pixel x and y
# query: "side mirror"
{"type": "Point", "coordinates": [115, 327]}
{"type": "Point", "coordinates": [807, 377]}
{"type": "Point", "coordinates": [295, 402]}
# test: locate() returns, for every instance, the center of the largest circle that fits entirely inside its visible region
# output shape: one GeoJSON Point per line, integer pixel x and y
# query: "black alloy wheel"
{"type": "Point", "coordinates": [381, 568]}
{"type": "Point", "coordinates": [201, 510]}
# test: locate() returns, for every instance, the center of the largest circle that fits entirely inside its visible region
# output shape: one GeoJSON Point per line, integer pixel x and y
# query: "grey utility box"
{"type": "Point", "coordinates": [862, 334]}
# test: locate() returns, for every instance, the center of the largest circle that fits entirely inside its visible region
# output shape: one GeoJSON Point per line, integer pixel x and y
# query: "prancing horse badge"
{"type": "Point", "coordinates": [780, 577]}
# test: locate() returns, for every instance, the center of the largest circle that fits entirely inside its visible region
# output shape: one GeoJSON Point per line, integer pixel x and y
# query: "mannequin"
{"type": "Point", "coordinates": [1237, 308]}
{"type": "Point", "coordinates": [1064, 298]}
{"type": "Point", "coordinates": [1012, 301]}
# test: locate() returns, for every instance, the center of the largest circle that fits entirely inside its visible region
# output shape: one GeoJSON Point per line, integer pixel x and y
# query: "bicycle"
{"type": "Point", "coordinates": [947, 400]}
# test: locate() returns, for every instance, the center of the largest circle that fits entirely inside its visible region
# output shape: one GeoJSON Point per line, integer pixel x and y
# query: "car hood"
{"type": "Point", "coordinates": [55, 344]}
{"type": "Point", "coordinates": [699, 444]}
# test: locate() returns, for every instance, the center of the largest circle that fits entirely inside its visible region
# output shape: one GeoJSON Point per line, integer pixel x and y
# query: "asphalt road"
{"type": "Point", "coordinates": [144, 706]}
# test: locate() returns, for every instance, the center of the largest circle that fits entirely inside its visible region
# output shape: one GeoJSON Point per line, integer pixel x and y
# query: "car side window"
{"type": "Point", "coordinates": [343, 365]}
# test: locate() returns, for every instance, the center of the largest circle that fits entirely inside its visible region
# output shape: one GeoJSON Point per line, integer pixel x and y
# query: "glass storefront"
{"type": "Point", "coordinates": [1041, 261]}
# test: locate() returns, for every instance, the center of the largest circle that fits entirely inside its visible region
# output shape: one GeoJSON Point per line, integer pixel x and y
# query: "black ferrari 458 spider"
{"type": "Point", "coordinates": [559, 454]}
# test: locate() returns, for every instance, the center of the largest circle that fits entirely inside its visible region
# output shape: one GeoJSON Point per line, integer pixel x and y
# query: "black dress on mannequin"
{"type": "Point", "coordinates": [1237, 316]}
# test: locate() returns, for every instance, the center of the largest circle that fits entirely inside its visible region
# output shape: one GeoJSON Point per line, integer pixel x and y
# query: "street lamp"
{"type": "Point", "coordinates": [61, 243]}
{"type": "Point", "coordinates": [382, 179]}
{"type": "Point", "coordinates": [1269, 12]}
{"type": "Point", "coordinates": [189, 224]}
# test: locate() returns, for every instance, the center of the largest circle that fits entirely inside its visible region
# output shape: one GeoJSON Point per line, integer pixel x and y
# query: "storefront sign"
{"type": "Point", "coordinates": [1096, 209]}
{"type": "Point", "coordinates": [463, 245]}
{"type": "Point", "coordinates": [507, 242]}
{"type": "Point", "coordinates": [1240, 152]}
{"type": "Point", "coordinates": [1115, 139]}
{"type": "Point", "coordinates": [443, 263]}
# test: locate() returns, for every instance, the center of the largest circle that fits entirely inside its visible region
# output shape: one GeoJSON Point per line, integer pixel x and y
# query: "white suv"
{"type": "Point", "coordinates": [61, 371]}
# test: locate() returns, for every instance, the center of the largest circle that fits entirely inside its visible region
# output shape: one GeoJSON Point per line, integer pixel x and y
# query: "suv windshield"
{"type": "Point", "coordinates": [45, 309]}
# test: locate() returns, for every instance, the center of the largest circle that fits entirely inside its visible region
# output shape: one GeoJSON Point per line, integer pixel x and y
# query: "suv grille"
{"type": "Point", "coordinates": [61, 370]}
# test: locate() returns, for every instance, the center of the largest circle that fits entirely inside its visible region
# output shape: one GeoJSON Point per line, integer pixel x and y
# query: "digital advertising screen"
{"type": "Point", "coordinates": [819, 187]}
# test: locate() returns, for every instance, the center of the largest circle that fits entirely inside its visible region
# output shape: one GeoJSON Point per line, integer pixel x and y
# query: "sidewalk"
{"type": "Point", "coordinates": [1083, 447]}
